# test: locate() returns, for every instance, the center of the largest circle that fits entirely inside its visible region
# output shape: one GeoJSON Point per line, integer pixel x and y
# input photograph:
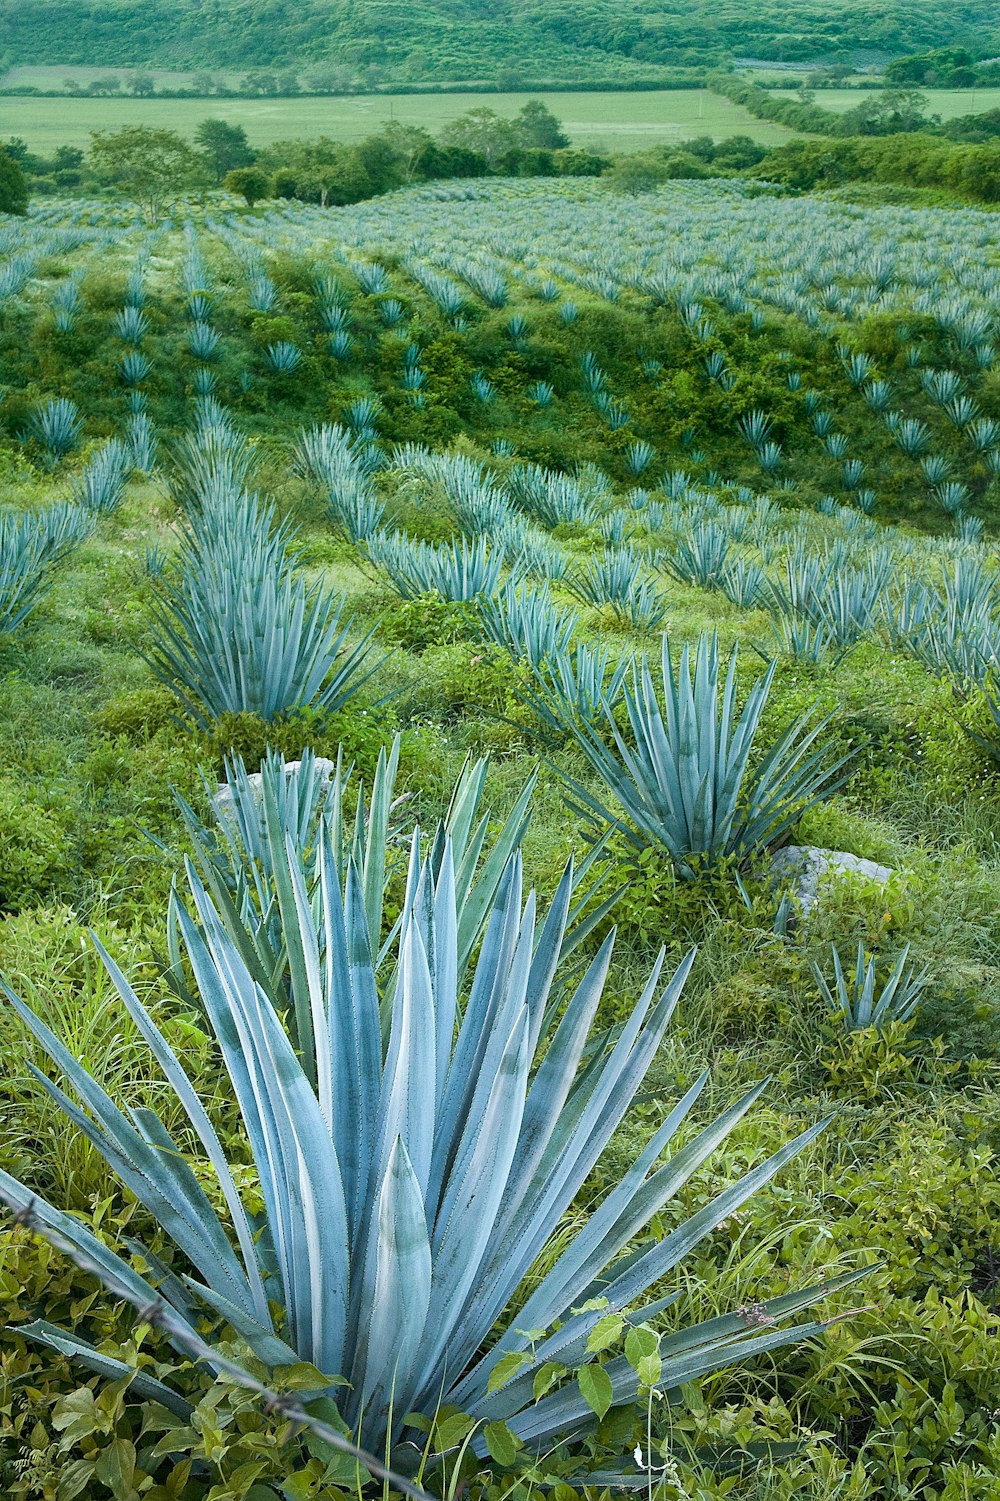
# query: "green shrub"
{"type": "Point", "coordinates": [35, 848]}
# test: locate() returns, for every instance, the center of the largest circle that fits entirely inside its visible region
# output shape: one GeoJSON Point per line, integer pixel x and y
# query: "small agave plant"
{"type": "Point", "coordinates": [861, 1002]}
{"type": "Point", "coordinates": [685, 775]}
{"type": "Point", "coordinates": [414, 1162]}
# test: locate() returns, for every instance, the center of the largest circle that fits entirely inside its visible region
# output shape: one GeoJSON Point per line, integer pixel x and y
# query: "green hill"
{"type": "Point", "coordinates": [426, 40]}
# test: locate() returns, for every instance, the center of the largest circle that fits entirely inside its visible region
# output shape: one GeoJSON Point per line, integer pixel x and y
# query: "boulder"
{"type": "Point", "coordinates": [804, 868]}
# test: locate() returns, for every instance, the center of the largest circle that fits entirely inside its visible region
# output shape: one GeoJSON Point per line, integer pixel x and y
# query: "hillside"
{"type": "Point", "coordinates": [458, 39]}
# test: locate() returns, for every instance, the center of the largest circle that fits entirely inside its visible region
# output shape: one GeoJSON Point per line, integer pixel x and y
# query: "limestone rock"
{"type": "Point", "coordinates": [805, 868]}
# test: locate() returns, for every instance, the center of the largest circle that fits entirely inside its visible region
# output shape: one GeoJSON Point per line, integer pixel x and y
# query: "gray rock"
{"type": "Point", "coordinates": [805, 868]}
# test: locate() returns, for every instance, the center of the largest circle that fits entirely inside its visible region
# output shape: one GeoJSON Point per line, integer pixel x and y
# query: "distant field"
{"type": "Point", "coordinates": [944, 102]}
{"type": "Point", "coordinates": [623, 121]}
{"type": "Point", "coordinates": [54, 76]}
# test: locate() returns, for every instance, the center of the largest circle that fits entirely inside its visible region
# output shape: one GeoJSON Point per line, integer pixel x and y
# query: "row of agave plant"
{"type": "Point", "coordinates": [824, 592]}
{"type": "Point", "coordinates": [956, 449]}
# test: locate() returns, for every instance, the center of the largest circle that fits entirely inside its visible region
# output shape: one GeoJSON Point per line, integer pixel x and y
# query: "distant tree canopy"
{"type": "Point", "coordinates": [363, 42]}
{"type": "Point", "coordinates": [225, 146]}
{"type": "Point", "coordinates": [13, 185]}
{"type": "Point", "coordinates": [493, 136]}
{"type": "Point", "coordinates": [249, 183]}
{"type": "Point", "coordinates": [944, 68]}
{"type": "Point", "coordinates": [152, 167]}
{"type": "Point", "coordinates": [910, 160]}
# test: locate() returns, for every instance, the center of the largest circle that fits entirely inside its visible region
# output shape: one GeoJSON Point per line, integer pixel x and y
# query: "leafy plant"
{"type": "Point", "coordinates": [238, 630]}
{"type": "Point", "coordinates": [101, 484]}
{"type": "Point", "coordinates": [31, 545]}
{"type": "Point", "coordinates": [457, 571]}
{"type": "Point", "coordinates": [526, 623]}
{"type": "Point", "coordinates": [56, 426]}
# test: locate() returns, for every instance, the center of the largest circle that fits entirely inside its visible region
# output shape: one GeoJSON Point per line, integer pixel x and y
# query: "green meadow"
{"type": "Point", "coordinates": [619, 121]}
{"type": "Point", "coordinates": [948, 103]}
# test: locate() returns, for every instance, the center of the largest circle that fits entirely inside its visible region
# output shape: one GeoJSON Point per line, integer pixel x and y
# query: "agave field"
{"type": "Point", "coordinates": [428, 633]}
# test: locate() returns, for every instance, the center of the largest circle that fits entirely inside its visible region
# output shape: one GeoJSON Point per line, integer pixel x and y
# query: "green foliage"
{"type": "Point", "coordinates": [35, 848]}
{"type": "Point", "coordinates": [153, 167]}
{"type": "Point", "coordinates": [13, 186]}
{"type": "Point", "coordinates": [250, 183]}
{"type": "Point", "coordinates": [340, 46]}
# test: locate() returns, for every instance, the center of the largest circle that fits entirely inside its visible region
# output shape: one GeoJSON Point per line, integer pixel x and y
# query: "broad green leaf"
{"type": "Point", "coordinates": [605, 1333]}
{"type": "Point", "coordinates": [545, 1377]}
{"type": "Point", "coordinates": [595, 1387]}
{"type": "Point", "coordinates": [639, 1342]}
{"type": "Point", "coordinates": [506, 1367]}
{"type": "Point", "coordinates": [501, 1443]}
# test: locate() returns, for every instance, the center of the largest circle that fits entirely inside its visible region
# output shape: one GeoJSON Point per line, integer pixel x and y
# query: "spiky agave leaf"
{"type": "Point", "coordinates": [267, 822]}
{"type": "Point", "coordinates": [857, 1002]}
{"type": "Point", "coordinates": [459, 570]}
{"type": "Point", "coordinates": [239, 630]}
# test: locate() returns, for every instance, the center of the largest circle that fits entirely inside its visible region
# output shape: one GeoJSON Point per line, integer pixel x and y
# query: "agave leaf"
{"type": "Point", "coordinates": [140, 1383]}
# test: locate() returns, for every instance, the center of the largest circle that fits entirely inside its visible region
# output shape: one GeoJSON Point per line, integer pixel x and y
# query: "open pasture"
{"type": "Point", "coordinates": [617, 121]}
{"type": "Point", "coordinates": [458, 485]}
{"type": "Point", "coordinates": [948, 103]}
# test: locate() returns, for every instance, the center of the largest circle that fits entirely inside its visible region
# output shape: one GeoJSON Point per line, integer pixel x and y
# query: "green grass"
{"type": "Point", "coordinates": [616, 121]}
{"type": "Point", "coordinates": [948, 103]}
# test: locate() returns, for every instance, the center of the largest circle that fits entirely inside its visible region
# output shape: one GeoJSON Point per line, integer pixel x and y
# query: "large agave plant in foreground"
{"type": "Point", "coordinates": [685, 779]}
{"type": "Point", "coordinates": [408, 1192]}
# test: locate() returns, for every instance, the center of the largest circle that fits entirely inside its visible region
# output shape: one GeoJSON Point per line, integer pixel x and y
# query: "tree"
{"type": "Point", "coordinates": [538, 127]}
{"type": "Point", "coordinates": [66, 164]}
{"type": "Point", "coordinates": [260, 83]}
{"type": "Point", "coordinates": [482, 131]}
{"type": "Point", "coordinates": [13, 185]}
{"type": "Point", "coordinates": [251, 183]}
{"type": "Point", "coordinates": [407, 142]}
{"type": "Point", "coordinates": [225, 146]}
{"type": "Point", "coordinates": [142, 85]}
{"type": "Point", "coordinates": [637, 174]}
{"type": "Point", "coordinates": [152, 167]}
{"type": "Point", "coordinates": [893, 109]}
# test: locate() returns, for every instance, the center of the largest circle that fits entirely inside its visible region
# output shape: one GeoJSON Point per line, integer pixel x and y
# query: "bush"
{"type": "Point", "coordinates": [35, 848]}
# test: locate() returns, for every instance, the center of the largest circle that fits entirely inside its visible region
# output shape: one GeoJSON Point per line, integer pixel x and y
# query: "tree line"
{"type": "Point", "coordinates": [896, 108]}
{"type": "Point", "coordinates": [154, 166]}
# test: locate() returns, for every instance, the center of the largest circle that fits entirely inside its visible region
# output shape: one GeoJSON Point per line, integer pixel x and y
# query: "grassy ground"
{"type": "Point", "coordinates": [620, 121]}
{"type": "Point", "coordinates": [944, 102]}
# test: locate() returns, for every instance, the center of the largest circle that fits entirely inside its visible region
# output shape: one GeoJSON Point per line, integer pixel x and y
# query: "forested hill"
{"type": "Point", "coordinates": [437, 40]}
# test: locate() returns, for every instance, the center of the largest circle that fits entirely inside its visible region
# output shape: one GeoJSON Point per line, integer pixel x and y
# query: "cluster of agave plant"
{"type": "Point", "coordinates": [238, 627]}
{"type": "Point", "coordinates": [466, 243]}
